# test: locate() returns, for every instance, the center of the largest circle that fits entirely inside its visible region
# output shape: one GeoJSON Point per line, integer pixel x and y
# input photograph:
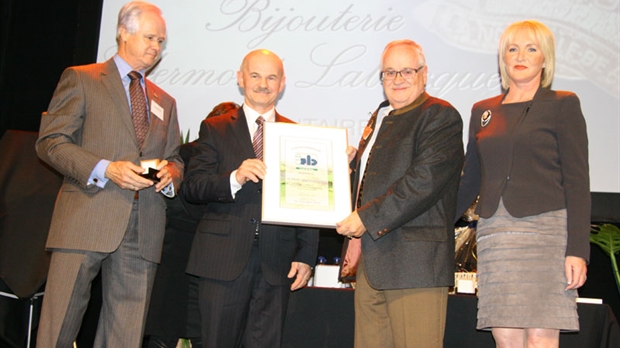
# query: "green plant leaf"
{"type": "Point", "coordinates": [185, 139]}
{"type": "Point", "coordinates": [607, 237]}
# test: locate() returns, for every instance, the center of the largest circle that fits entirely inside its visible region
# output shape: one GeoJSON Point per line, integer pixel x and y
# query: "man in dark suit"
{"type": "Point", "coordinates": [107, 217]}
{"type": "Point", "coordinates": [246, 269]}
{"type": "Point", "coordinates": [405, 183]}
{"type": "Point", "coordinates": [173, 311]}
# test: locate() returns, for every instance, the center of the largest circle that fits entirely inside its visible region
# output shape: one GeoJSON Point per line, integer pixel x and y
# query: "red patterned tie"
{"type": "Point", "coordinates": [257, 142]}
{"type": "Point", "coordinates": [138, 107]}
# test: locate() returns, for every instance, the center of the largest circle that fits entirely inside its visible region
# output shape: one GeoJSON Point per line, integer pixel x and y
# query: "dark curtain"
{"type": "Point", "coordinates": [38, 40]}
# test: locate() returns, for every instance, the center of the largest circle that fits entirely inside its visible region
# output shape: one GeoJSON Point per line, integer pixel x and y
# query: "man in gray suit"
{"type": "Point", "coordinates": [405, 183]}
{"type": "Point", "coordinates": [107, 216]}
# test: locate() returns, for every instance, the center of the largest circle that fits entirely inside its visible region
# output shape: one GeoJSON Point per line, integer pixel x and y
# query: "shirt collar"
{"type": "Point", "coordinates": [384, 111]}
{"type": "Point", "coordinates": [124, 68]}
{"type": "Point", "coordinates": [251, 114]}
{"type": "Point", "coordinates": [419, 101]}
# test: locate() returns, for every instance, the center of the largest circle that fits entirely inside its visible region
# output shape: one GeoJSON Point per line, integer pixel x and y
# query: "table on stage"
{"type": "Point", "coordinates": [323, 317]}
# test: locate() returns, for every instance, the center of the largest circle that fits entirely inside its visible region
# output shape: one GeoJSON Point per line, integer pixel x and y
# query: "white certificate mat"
{"type": "Point", "coordinates": [307, 180]}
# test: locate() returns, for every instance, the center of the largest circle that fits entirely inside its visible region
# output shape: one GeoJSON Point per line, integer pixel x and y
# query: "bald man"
{"type": "Point", "coordinates": [246, 270]}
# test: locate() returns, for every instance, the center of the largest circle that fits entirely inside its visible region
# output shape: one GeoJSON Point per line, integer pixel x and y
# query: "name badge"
{"type": "Point", "coordinates": [157, 110]}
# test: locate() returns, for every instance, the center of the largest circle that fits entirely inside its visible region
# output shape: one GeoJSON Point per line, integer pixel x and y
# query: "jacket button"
{"type": "Point", "coordinates": [260, 190]}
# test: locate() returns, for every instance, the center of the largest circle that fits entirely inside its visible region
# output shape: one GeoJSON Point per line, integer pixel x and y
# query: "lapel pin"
{"type": "Point", "coordinates": [486, 118]}
{"type": "Point", "coordinates": [368, 128]}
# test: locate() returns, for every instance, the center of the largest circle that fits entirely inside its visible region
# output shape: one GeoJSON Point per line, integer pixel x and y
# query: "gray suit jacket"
{"type": "Point", "coordinates": [409, 196]}
{"type": "Point", "coordinates": [89, 120]}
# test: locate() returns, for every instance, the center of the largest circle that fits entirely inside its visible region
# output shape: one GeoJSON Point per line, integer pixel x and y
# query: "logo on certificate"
{"type": "Point", "coordinates": [307, 161]}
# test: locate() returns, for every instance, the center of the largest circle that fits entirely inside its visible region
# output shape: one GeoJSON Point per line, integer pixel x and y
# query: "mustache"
{"type": "Point", "coordinates": [262, 90]}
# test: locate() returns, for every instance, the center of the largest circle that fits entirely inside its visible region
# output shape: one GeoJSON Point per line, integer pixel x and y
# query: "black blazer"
{"type": "Point", "coordinates": [534, 155]}
{"type": "Point", "coordinates": [225, 235]}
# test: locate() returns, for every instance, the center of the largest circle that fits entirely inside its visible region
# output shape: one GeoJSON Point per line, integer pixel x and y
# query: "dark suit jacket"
{"type": "Point", "coordinates": [88, 120]}
{"type": "Point", "coordinates": [537, 162]}
{"type": "Point", "coordinates": [409, 196]}
{"type": "Point", "coordinates": [224, 237]}
{"type": "Point", "coordinates": [173, 311]}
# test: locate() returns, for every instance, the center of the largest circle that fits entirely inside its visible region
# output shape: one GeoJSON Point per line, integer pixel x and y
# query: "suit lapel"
{"type": "Point", "coordinates": [239, 126]}
{"type": "Point", "coordinates": [368, 131]}
{"type": "Point", "coordinates": [366, 136]}
{"type": "Point", "coordinates": [112, 82]}
{"type": "Point", "coordinates": [152, 97]}
{"type": "Point", "coordinates": [280, 118]}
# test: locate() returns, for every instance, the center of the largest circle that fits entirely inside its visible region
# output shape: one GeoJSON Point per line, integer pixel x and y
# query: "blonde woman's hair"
{"type": "Point", "coordinates": [546, 42]}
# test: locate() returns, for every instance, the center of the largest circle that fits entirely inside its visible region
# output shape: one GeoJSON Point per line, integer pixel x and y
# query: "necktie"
{"type": "Point", "coordinates": [257, 142]}
{"type": "Point", "coordinates": [138, 107]}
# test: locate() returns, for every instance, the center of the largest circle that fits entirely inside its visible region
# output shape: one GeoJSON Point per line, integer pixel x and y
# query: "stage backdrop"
{"type": "Point", "coordinates": [331, 51]}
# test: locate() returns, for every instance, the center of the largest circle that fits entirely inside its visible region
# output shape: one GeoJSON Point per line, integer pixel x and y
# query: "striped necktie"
{"type": "Point", "coordinates": [257, 142]}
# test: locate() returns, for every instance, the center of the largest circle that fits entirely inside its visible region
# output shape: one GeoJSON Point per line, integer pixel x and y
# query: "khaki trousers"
{"type": "Point", "coordinates": [398, 318]}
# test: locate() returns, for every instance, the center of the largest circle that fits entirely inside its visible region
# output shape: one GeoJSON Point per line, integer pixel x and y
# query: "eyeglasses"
{"type": "Point", "coordinates": [406, 73]}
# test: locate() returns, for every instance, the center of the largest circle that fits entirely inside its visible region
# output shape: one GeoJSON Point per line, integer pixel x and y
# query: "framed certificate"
{"type": "Point", "coordinates": [307, 180]}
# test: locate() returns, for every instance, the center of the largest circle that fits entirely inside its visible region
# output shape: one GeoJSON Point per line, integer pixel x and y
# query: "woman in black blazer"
{"type": "Point", "coordinates": [527, 159]}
